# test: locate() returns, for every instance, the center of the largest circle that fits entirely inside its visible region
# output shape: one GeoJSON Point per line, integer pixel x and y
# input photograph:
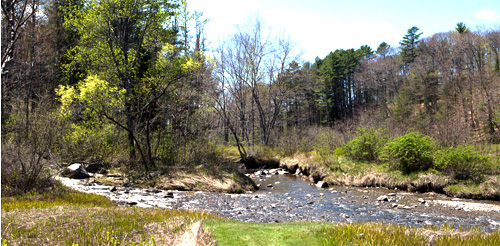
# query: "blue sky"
{"type": "Point", "coordinates": [323, 26]}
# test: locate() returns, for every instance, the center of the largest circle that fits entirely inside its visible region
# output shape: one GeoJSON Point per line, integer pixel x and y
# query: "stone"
{"type": "Point", "coordinates": [310, 202]}
{"type": "Point", "coordinates": [394, 205]}
{"type": "Point", "coordinates": [383, 199]}
{"type": "Point", "coordinates": [94, 168]}
{"type": "Point", "coordinates": [76, 171]}
{"type": "Point", "coordinates": [132, 203]}
{"type": "Point", "coordinates": [113, 189]}
{"type": "Point", "coordinates": [322, 184]}
{"type": "Point", "coordinates": [421, 200]}
{"type": "Point", "coordinates": [270, 185]}
{"type": "Point", "coordinates": [391, 194]}
{"type": "Point", "coordinates": [169, 195]}
{"type": "Point", "coordinates": [293, 168]}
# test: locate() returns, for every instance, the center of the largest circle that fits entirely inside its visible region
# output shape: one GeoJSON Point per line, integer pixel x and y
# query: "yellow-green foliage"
{"type": "Point", "coordinates": [93, 94]}
{"type": "Point", "coordinates": [90, 99]}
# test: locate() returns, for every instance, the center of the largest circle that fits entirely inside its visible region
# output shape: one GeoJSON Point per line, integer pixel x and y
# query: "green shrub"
{"type": "Point", "coordinates": [411, 152]}
{"type": "Point", "coordinates": [366, 146]}
{"type": "Point", "coordinates": [461, 162]}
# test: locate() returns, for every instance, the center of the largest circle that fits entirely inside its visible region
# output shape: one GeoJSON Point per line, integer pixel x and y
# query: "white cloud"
{"type": "Point", "coordinates": [319, 35]}
{"type": "Point", "coordinates": [486, 14]}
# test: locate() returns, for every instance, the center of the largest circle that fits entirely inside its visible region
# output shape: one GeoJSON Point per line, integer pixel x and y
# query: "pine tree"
{"type": "Point", "coordinates": [409, 45]}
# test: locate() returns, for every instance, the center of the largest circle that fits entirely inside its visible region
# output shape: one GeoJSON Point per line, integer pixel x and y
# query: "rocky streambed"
{"type": "Point", "coordinates": [283, 197]}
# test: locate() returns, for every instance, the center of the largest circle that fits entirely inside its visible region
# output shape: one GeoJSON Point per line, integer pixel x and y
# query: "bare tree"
{"type": "Point", "coordinates": [252, 74]}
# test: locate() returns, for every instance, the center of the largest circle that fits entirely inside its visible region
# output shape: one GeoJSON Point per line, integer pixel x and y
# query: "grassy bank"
{"type": "Point", "coordinates": [67, 217]}
{"type": "Point", "coordinates": [374, 157]}
{"type": "Point", "coordinates": [71, 218]}
{"type": "Point", "coordinates": [342, 171]}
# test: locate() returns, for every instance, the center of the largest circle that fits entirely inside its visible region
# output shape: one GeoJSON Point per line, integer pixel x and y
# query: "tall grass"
{"type": "Point", "coordinates": [66, 217]}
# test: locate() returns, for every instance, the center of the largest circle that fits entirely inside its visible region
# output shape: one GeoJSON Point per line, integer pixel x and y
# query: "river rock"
{"type": "Point", "coordinates": [270, 185]}
{"type": "Point", "coordinates": [383, 199]}
{"type": "Point", "coordinates": [421, 200]}
{"type": "Point", "coordinates": [293, 168]}
{"type": "Point", "coordinates": [322, 184]}
{"type": "Point", "coordinates": [391, 194]}
{"type": "Point", "coordinates": [76, 171]}
{"type": "Point", "coordinates": [94, 168]}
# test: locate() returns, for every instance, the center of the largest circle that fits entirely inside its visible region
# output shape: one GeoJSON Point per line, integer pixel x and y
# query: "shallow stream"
{"type": "Point", "coordinates": [289, 198]}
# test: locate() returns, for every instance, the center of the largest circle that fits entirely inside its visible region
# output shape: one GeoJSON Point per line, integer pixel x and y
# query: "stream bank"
{"type": "Point", "coordinates": [425, 182]}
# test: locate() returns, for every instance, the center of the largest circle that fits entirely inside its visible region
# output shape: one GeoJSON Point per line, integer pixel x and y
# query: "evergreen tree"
{"type": "Point", "coordinates": [461, 28]}
{"type": "Point", "coordinates": [383, 50]}
{"type": "Point", "coordinates": [409, 45]}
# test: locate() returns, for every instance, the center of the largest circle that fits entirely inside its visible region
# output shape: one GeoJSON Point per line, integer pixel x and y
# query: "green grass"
{"type": "Point", "coordinates": [228, 232]}
{"type": "Point", "coordinates": [58, 196]}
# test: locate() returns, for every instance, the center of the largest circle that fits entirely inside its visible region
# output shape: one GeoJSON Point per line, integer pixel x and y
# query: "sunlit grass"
{"type": "Point", "coordinates": [228, 232]}
{"type": "Point", "coordinates": [69, 217]}
{"type": "Point", "coordinates": [58, 196]}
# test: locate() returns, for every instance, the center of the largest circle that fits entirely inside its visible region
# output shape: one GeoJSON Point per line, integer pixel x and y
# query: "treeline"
{"type": "Point", "coordinates": [132, 82]}
{"type": "Point", "coordinates": [446, 86]}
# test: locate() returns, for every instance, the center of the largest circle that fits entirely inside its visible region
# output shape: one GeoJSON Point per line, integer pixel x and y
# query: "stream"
{"type": "Point", "coordinates": [286, 197]}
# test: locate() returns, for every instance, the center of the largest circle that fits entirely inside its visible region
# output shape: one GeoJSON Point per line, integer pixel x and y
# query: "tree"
{"type": "Point", "coordinates": [461, 28]}
{"type": "Point", "coordinates": [252, 75]}
{"type": "Point", "coordinates": [383, 50]}
{"type": "Point", "coordinates": [130, 44]}
{"type": "Point", "coordinates": [409, 45]}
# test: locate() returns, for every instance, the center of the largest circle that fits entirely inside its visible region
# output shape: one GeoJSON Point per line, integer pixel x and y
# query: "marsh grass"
{"type": "Point", "coordinates": [72, 218]}
{"type": "Point", "coordinates": [57, 196]}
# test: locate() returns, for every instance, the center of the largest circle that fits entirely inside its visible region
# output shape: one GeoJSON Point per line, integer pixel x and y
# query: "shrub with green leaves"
{"type": "Point", "coordinates": [411, 152]}
{"type": "Point", "coordinates": [366, 146]}
{"type": "Point", "coordinates": [461, 162]}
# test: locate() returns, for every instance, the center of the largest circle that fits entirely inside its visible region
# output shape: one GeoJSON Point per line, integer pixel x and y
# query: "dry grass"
{"type": "Point", "coordinates": [103, 226]}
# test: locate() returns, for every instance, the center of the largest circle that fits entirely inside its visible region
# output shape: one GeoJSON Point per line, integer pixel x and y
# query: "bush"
{"type": "Point", "coordinates": [461, 162]}
{"type": "Point", "coordinates": [412, 152]}
{"type": "Point", "coordinates": [27, 151]}
{"type": "Point", "coordinates": [366, 146]}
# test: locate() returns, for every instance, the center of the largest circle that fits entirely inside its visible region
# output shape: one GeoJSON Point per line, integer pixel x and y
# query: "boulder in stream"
{"type": "Point", "coordinates": [383, 199]}
{"type": "Point", "coordinates": [322, 184]}
{"type": "Point", "coordinates": [95, 168]}
{"type": "Point", "coordinates": [76, 171]}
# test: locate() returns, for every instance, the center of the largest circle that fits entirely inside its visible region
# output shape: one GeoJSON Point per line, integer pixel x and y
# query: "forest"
{"type": "Point", "coordinates": [386, 145]}
{"type": "Point", "coordinates": [133, 84]}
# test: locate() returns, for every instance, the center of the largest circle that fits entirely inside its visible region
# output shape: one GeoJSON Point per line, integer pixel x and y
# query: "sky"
{"type": "Point", "coordinates": [321, 26]}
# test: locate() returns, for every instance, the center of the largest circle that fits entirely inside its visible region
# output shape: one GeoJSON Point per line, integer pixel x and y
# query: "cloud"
{"type": "Point", "coordinates": [486, 14]}
{"type": "Point", "coordinates": [318, 35]}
